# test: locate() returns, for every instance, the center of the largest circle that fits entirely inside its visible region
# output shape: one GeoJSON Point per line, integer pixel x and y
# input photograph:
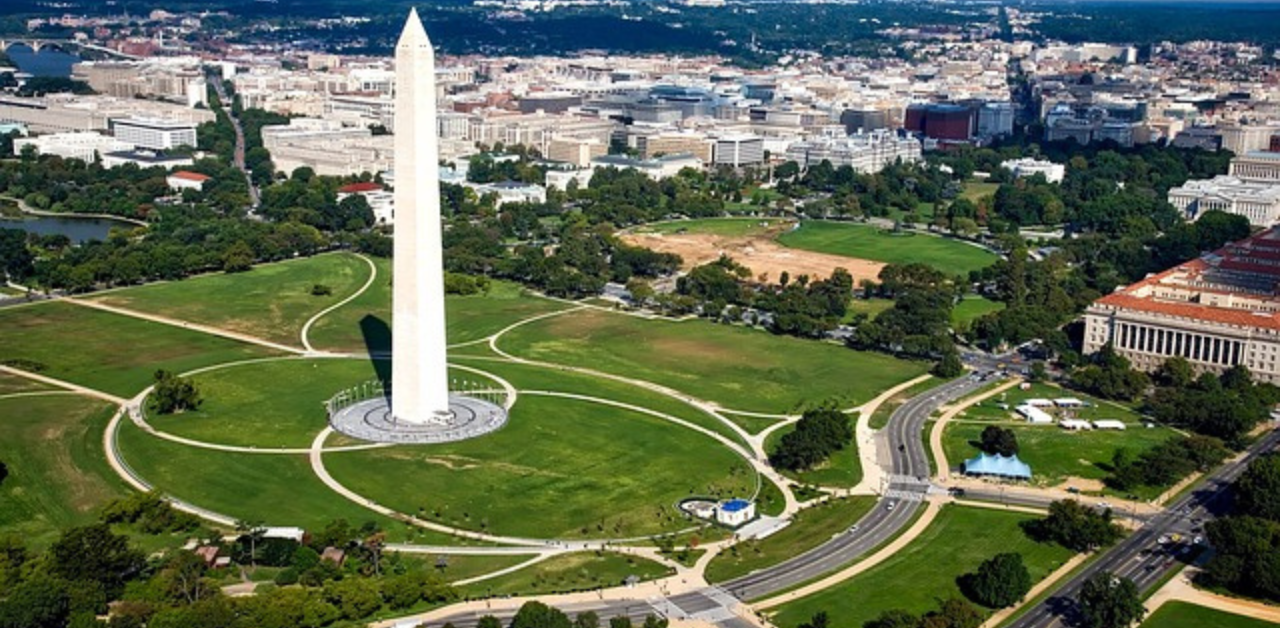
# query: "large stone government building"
{"type": "Point", "coordinates": [1217, 311]}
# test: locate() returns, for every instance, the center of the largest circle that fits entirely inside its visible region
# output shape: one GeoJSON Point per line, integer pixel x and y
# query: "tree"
{"type": "Point", "coordinates": [1038, 373]}
{"type": "Point", "coordinates": [587, 619]}
{"type": "Point", "coordinates": [895, 618]}
{"type": "Point", "coordinates": [1075, 526]}
{"type": "Point", "coordinates": [238, 258]}
{"type": "Point", "coordinates": [949, 366]}
{"type": "Point", "coordinates": [1258, 489]}
{"type": "Point", "coordinates": [184, 574]}
{"type": "Point", "coordinates": [4, 472]}
{"type": "Point", "coordinates": [94, 553]}
{"type": "Point", "coordinates": [252, 531]}
{"type": "Point", "coordinates": [174, 394]}
{"type": "Point", "coordinates": [40, 602]}
{"type": "Point", "coordinates": [818, 434]}
{"type": "Point", "coordinates": [818, 620]}
{"type": "Point", "coordinates": [1000, 581]}
{"type": "Point", "coordinates": [489, 621]}
{"type": "Point", "coordinates": [1109, 601]}
{"type": "Point", "coordinates": [1001, 441]}
{"type": "Point", "coordinates": [539, 615]}
{"type": "Point", "coordinates": [1175, 372]}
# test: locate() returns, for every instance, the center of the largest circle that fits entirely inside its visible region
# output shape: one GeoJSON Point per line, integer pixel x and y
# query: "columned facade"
{"type": "Point", "coordinates": [1147, 339]}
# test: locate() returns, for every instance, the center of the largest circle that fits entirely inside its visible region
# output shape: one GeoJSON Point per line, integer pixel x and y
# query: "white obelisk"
{"type": "Point", "coordinates": [419, 372]}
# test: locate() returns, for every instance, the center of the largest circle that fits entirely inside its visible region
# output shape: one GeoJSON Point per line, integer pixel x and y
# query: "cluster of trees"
{"type": "Point", "coordinates": [93, 571]}
{"type": "Point", "coordinates": [539, 615]}
{"type": "Point", "coordinates": [1042, 295]}
{"type": "Point", "coordinates": [799, 307]}
{"type": "Point", "coordinates": [310, 199]}
{"type": "Point", "coordinates": [1075, 526]}
{"type": "Point", "coordinates": [951, 613]}
{"type": "Point", "coordinates": [919, 323]}
{"type": "Point", "coordinates": [148, 513]}
{"type": "Point", "coordinates": [899, 186]}
{"type": "Point", "coordinates": [1226, 407]}
{"type": "Point", "coordinates": [1246, 545]}
{"type": "Point", "coordinates": [1109, 375]}
{"type": "Point", "coordinates": [1166, 463]}
{"type": "Point", "coordinates": [174, 394]}
{"type": "Point", "coordinates": [818, 434]}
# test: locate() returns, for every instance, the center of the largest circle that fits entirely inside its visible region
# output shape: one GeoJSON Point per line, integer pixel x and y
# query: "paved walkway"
{"type": "Point", "coordinates": [1180, 588]}
{"type": "Point", "coordinates": [173, 322]}
{"type": "Point", "coordinates": [306, 327]}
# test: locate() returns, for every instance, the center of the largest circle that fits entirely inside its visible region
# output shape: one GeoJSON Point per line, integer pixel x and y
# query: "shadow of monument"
{"type": "Point", "coordinates": [377, 344]}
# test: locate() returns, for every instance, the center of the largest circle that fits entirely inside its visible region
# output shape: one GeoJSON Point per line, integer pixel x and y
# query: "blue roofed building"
{"type": "Point", "coordinates": [997, 466]}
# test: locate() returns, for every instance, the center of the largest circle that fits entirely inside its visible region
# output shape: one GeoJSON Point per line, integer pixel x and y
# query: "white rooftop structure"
{"type": "Point", "coordinates": [1259, 202]}
{"type": "Point", "coordinates": [1075, 424]}
{"type": "Point", "coordinates": [1026, 167]}
{"type": "Point", "coordinates": [1109, 424]}
{"type": "Point", "coordinates": [1068, 402]}
{"type": "Point", "coordinates": [1039, 403]}
{"type": "Point", "coordinates": [1034, 414]}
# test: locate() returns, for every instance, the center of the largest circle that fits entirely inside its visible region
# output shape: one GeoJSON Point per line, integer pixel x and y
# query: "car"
{"type": "Point", "coordinates": [853, 528]}
{"type": "Point", "coordinates": [1073, 490]}
{"type": "Point", "coordinates": [1164, 539]}
{"type": "Point", "coordinates": [1199, 540]}
{"type": "Point", "coordinates": [1104, 505]}
{"type": "Point", "coordinates": [890, 506]}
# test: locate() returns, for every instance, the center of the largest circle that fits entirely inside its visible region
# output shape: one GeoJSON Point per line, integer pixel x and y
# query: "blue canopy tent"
{"type": "Point", "coordinates": [1000, 466]}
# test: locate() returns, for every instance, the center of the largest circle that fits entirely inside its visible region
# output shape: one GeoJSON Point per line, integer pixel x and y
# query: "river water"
{"type": "Point", "coordinates": [47, 62]}
{"type": "Point", "coordinates": [77, 229]}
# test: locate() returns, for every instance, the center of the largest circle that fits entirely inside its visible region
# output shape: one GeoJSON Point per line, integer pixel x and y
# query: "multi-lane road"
{"type": "Point", "coordinates": [1141, 557]}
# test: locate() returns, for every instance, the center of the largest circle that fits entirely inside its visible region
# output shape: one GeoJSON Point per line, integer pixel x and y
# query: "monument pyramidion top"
{"type": "Point", "coordinates": [414, 34]}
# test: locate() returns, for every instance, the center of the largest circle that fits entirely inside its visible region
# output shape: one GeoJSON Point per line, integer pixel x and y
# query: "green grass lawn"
{"type": "Point", "coordinates": [738, 368]}
{"type": "Point", "coordinates": [926, 570]}
{"type": "Point", "coordinates": [971, 308]}
{"type": "Point", "coordinates": [278, 489]}
{"type": "Point", "coordinates": [873, 243]}
{"type": "Point", "coordinates": [870, 307]}
{"type": "Point", "coordinates": [884, 412]}
{"type": "Point", "coordinates": [270, 404]}
{"type": "Point", "coordinates": [580, 571]}
{"type": "Point", "coordinates": [559, 468]}
{"type": "Point", "coordinates": [842, 470]}
{"type": "Point", "coordinates": [455, 567]}
{"type": "Point", "coordinates": [10, 384]}
{"type": "Point", "coordinates": [733, 227]}
{"type": "Point", "coordinates": [752, 424]}
{"type": "Point", "coordinates": [108, 352]}
{"type": "Point", "coordinates": [1054, 453]}
{"type": "Point", "coordinates": [58, 474]}
{"type": "Point", "coordinates": [526, 377]}
{"type": "Point", "coordinates": [975, 190]}
{"type": "Point", "coordinates": [1175, 614]}
{"type": "Point", "coordinates": [366, 321]}
{"type": "Point", "coordinates": [271, 301]}
{"type": "Point", "coordinates": [809, 528]}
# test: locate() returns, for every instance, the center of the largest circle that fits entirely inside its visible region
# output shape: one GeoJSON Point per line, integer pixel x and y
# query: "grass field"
{"type": "Point", "coordinates": [872, 243]}
{"type": "Point", "coordinates": [1056, 454]}
{"type": "Point", "coordinates": [271, 301]}
{"type": "Point", "coordinates": [809, 528]}
{"type": "Point", "coordinates": [843, 469]}
{"type": "Point", "coordinates": [1175, 614]}
{"type": "Point", "coordinates": [526, 377]}
{"type": "Point", "coordinates": [975, 190]}
{"type": "Point", "coordinates": [971, 308]}
{"type": "Point", "coordinates": [270, 404]}
{"type": "Point", "coordinates": [870, 307]}
{"type": "Point", "coordinates": [560, 468]}
{"type": "Point", "coordinates": [579, 571]}
{"type": "Point", "coordinates": [281, 490]}
{"type": "Point", "coordinates": [732, 227]}
{"type": "Point", "coordinates": [926, 570]}
{"type": "Point", "coordinates": [10, 384]}
{"type": "Point", "coordinates": [366, 321]}
{"type": "Point", "coordinates": [58, 475]}
{"type": "Point", "coordinates": [738, 368]}
{"type": "Point", "coordinates": [108, 352]}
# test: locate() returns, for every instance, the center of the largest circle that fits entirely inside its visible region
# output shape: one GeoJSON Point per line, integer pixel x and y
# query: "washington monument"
{"type": "Point", "coordinates": [419, 372]}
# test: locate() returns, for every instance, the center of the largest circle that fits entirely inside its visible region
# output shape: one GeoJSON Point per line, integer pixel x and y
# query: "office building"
{"type": "Point", "coordinates": [738, 150]}
{"type": "Point", "coordinates": [154, 134]}
{"type": "Point", "coordinates": [1218, 311]}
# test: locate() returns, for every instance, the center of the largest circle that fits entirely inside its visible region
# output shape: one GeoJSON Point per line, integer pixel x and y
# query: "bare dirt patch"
{"type": "Point", "coordinates": [759, 253]}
